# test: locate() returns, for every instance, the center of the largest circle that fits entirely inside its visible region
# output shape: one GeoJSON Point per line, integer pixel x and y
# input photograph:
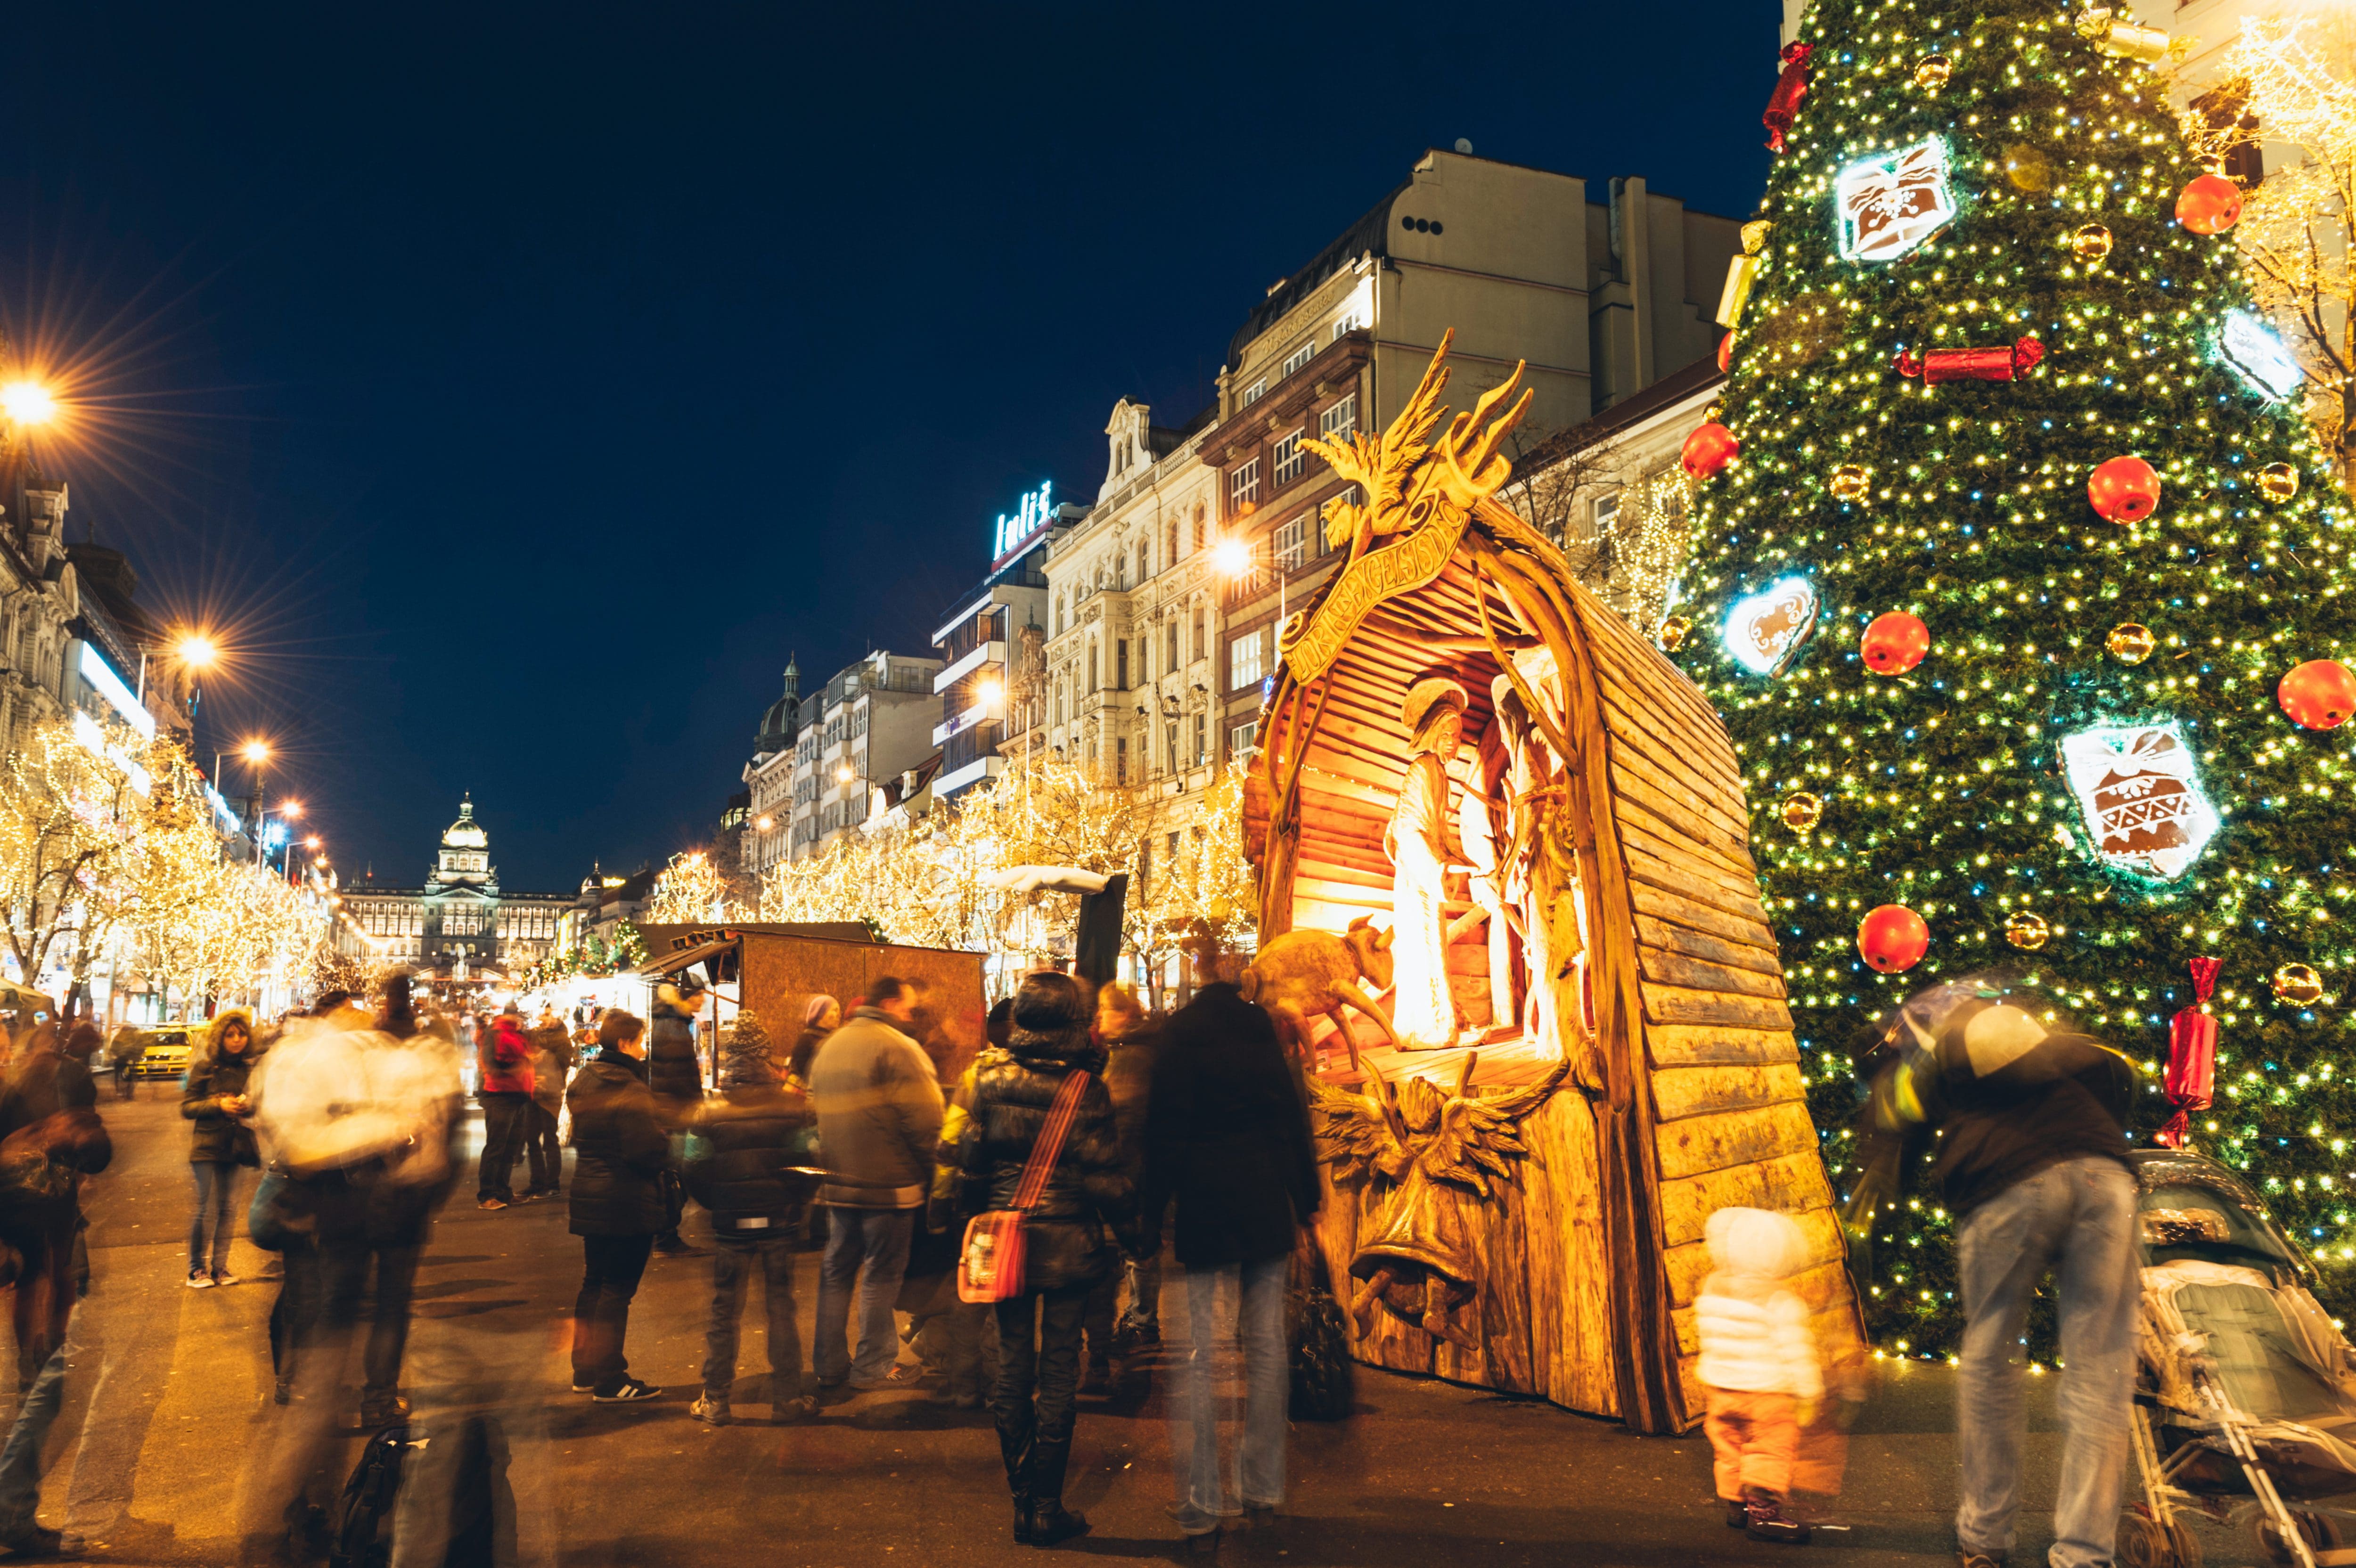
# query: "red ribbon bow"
{"type": "Point", "coordinates": [1790, 88]}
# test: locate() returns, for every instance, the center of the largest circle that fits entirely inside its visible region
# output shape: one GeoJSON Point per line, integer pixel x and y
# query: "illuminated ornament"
{"type": "Point", "coordinates": [1849, 482]}
{"type": "Point", "coordinates": [1931, 73]}
{"type": "Point", "coordinates": [1783, 104]}
{"type": "Point", "coordinates": [2251, 351]}
{"type": "Point", "coordinates": [1709, 449]}
{"type": "Point", "coordinates": [2299, 985]}
{"type": "Point", "coordinates": [2091, 244]}
{"type": "Point", "coordinates": [1741, 272]}
{"type": "Point", "coordinates": [1763, 631]}
{"type": "Point", "coordinates": [2131, 642]}
{"type": "Point", "coordinates": [2191, 1079]}
{"type": "Point", "coordinates": [2027, 167]}
{"type": "Point", "coordinates": [2209, 204]}
{"type": "Point", "coordinates": [2140, 797]}
{"type": "Point", "coordinates": [1892, 202]}
{"type": "Point", "coordinates": [2115, 34]}
{"type": "Point", "coordinates": [1726, 353]}
{"type": "Point", "coordinates": [1892, 938]}
{"type": "Point", "coordinates": [2124, 489]}
{"type": "Point", "coordinates": [2027, 931]}
{"type": "Point", "coordinates": [1801, 811]}
{"type": "Point", "coordinates": [2318, 695]}
{"type": "Point", "coordinates": [2278, 482]}
{"type": "Point", "coordinates": [1971, 363]}
{"type": "Point", "coordinates": [1672, 631]}
{"type": "Point", "coordinates": [1894, 643]}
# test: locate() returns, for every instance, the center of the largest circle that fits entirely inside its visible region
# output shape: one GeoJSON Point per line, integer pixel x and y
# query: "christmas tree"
{"type": "Point", "coordinates": [2009, 536]}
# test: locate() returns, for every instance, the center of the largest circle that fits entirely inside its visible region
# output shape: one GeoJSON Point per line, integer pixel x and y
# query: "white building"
{"type": "Point", "coordinates": [874, 722]}
{"type": "Point", "coordinates": [988, 648]}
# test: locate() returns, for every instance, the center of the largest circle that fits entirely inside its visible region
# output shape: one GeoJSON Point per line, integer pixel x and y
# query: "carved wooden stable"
{"type": "Point", "coordinates": [1616, 801]}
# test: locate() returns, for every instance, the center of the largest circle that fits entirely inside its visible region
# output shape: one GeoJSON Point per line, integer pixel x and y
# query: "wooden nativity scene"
{"type": "Point", "coordinates": [1510, 922]}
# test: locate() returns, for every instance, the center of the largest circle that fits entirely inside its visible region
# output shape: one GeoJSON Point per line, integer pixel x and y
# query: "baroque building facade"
{"type": "Point", "coordinates": [460, 925]}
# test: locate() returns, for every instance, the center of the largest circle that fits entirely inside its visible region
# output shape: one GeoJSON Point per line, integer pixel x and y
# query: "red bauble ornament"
{"type": "Point", "coordinates": [2210, 205]}
{"type": "Point", "coordinates": [2124, 489]}
{"type": "Point", "coordinates": [2318, 695]}
{"type": "Point", "coordinates": [1726, 353]}
{"type": "Point", "coordinates": [2191, 1056]}
{"type": "Point", "coordinates": [1892, 938]}
{"type": "Point", "coordinates": [1894, 643]}
{"type": "Point", "coordinates": [1709, 449]}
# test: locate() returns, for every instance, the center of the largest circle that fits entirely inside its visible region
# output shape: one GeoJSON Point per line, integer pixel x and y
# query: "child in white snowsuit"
{"type": "Point", "coordinates": [1759, 1361]}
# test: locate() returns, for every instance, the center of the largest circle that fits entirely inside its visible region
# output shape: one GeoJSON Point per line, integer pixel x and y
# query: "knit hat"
{"type": "Point", "coordinates": [814, 1010]}
{"type": "Point", "coordinates": [745, 1054]}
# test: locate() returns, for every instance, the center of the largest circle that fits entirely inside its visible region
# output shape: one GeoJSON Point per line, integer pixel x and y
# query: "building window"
{"type": "Point", "coordinates": [1298, 358]}
{"type": "Point", "coordinates": [1255, 391]}
{"type": "Point", "coordinates": [1202, 740]}
{"type": "Point", "coordinates": [1243, 487]}
{"type": "Point", "coordinates": [1243, 661]}
{"type": "Point", "coordinates": [1351, 320]}
{"type": "Point", "coordinates": [1120, 665]}
{"type": "Point", "coordinates": [1340, 419]}
{"type": "Point", "coordinates": [1094, 685]}
{"type": "Point", "coordinates": [1240, 739]}
{"type": "Point", "coordinates": [1169, 640]}
{"type": "Point", "coordinates": [1201, 527]}
{"type": "Point", "coordinates": [1606, 513]}
{"type": "Point", "coordinates": [1289, 458]}
{"type": "Point", "coordinates": [1144, 563]}
{"type": "Point", "coordinates": [1120, 761]}
{"type": "Point", "coordinates": [1201, 647]}
{"type": "Point", "coordinates": [1292, 542]}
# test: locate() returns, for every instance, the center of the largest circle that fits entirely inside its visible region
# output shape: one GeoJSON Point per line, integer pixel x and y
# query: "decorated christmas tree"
{"type": "Point", "coordinates": [2017, 581]}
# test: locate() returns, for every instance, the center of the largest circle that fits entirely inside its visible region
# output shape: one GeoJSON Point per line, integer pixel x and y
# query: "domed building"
{"type": "Point", "coordinates": [460, 926]}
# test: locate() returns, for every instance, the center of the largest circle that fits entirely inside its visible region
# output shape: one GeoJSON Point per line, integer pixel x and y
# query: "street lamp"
{"type": "Point", "coordinates": [1237, 558]}
{"type": "Point", "coordinates": [27, 403]}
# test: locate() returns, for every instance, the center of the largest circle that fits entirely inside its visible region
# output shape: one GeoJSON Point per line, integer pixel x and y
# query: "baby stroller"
{"type": "Point", "coordinates": [2245, 1394]}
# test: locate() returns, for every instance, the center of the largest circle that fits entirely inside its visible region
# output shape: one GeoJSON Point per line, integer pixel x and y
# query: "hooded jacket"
{"type": "Point", "coordinates": [619, 1149]}
{"type": "Point", "coordinates": [552, 1064]}
{"type": "Point", "coordinates": [507, 1058]}
{"type": "Point", "coordinates": [1753, 1326]}
{"type": "Point", "coordinates": [1226, 1134]}
{"type": "Point", "coordinates": [743, 1141]}
{"type": "Point", "coordinates": [1089, 1201]}
{"type": "Point", "coordinates": [879, 1113]}
{"type": "Point", "coordinates": [673, 1071]}
{"type": "Point", "coordinates": [213, 1076]}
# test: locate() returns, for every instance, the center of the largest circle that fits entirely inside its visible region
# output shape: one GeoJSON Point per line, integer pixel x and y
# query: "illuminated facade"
{"type": "Point", "coordinates": [460, 925]}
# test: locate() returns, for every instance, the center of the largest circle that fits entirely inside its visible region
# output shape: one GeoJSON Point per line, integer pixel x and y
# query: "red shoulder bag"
{"type": "Point", "coordinates": [990, 1263]}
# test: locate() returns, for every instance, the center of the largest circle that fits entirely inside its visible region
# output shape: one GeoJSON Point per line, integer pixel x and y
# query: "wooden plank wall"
{"type": "Point", "coordinates": [1729, 1106]}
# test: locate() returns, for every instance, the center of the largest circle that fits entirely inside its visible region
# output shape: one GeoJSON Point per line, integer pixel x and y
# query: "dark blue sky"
{"type": "Point", "coordinates": [516, 387]}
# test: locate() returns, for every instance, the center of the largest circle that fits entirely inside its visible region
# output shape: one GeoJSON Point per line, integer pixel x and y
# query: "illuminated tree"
{"type": "Point", "coordinates": [66, 814]}
{"type": "Point", "coordinates": [1971, 671]}
{"type": "Point", "coordinates": [688, 890]}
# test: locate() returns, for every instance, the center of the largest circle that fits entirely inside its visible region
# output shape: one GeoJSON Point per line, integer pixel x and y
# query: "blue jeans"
{"type": "Point", "coordinates": [733, 1265]}
{"type": "Point", "coordinates": [20, 1461]}
{"type": "Point", "coordinates": [216, 1187]}
{"type": "Point", "coordinates": [874, 1241]}
{"type": "Point", "coordinates": [1194, 1413]}
{"type": "Point", "coordinates": [2077, 1218]}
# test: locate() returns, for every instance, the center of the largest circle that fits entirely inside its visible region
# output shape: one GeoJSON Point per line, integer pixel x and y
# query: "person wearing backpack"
{"type": "Point", "coordinates": [1087, 1199]}
{"type": "Point", "coordinates": [620, 1152]}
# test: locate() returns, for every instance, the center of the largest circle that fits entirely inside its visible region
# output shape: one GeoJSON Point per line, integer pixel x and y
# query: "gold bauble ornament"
{"type": "Point", "coordinates": [2299, 985]}
{"type": "Point", "coordinates": [2027, 931]}
{"type": "Point", "coordinates": [1714, 414]}
{"type": "Point", "coordinates": [2027, 167]}
{"type": "Point", "coordinates": [1801, 811]}
{"type": "Point", "coordinates": [1674, 631]}
{"type": "Point", "coordinates": [1848, 482]}
{"type": "Point", "coordinates": [1931, 73]}
{"type": "Point", "coordinates": [2091, 244]}
{"type": "Point", "coordinates": [2277, 481]}
{"type": "Point", "coordinates": [2131, 642]}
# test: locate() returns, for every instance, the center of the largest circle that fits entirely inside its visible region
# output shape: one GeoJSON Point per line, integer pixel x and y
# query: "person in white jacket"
{"type": "Point", "coordinates": [1759, 1361]}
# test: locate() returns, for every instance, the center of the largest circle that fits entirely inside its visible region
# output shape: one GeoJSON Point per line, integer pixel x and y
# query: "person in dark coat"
{"type": "Point", "coordinates": [1132, 1043]}
{"type": "Point", "coordinates": [551, 1069]}
{"type": "Point", "coordinates": [620, 1151]}
{"type": "Point", "coordinates": [745, 1140]}
{"type": "Point", "coordinates": [820, 1017]}
{"type": "Point", "coordinates": [213, 1098]}
{"type": "Point", "coordinates": [1069, 1236]}
{"type": "Point", "coordinates": [675, 1074]}
{"type": "Point", "coordinates": [42, 1164]}
{"type": "Point", "coordinates": [1227, 1139]}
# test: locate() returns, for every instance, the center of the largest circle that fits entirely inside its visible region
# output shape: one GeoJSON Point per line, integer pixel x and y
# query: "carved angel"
{"type": "Point", "coordinates": [1437, 1155]}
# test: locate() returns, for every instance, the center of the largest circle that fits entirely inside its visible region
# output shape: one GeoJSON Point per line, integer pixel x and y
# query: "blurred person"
{"type": "Point", "coordinates": [1087, 1193]}
{"type": "Point", "coordinates": [47, 1080]}
{"type": "Point", "coordinates": [1130, 1042]}
{"type": "Point", "coordinates": [958, 1339]}
{"type": "Point", "coordinates": [551, 1066]}
{"type": "Point", "coordinates": [620, 1151]}
{"type": "Point", "coordinates": [821, 1016]}
{"type": "Point", "coordinates": [416, 1067]}
{"type": "Point", "coordinates": [1228, 1142]}
{"type": "Point", "coordinates": [1759, 1370]}
{"type": "Point", "coordinates": [506, 1098]}
{"type": "Point", "coordinates": [127, 1049]}
{"type": "Point", "coordinates": [879, 1121]}
{"type": "Point", "coordinates": [42, 1166]}
{"type": "Point", "coordinates": [745, 1141]}
{"type": "Point", "coordinates": [675, 1074]}
{"type": "Point", "coordinates": [213, 1098]}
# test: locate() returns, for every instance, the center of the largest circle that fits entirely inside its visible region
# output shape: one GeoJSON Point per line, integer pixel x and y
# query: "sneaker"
{"type": "Point", "coordinates": [631, 1391]}
{"type": "Point", "coordinates": [580, 1387]}
{"type": "Point", "coordinates": [223, 1276]}
{"type": "Point", "coordinates": [284, 1394]}
{"type": "Point", "coordinates": [709, 1411]}
{"type": "Point", "coordinates": [199, 1280]}
{"type": "Point", "coordinates": [491, 1205]}
{"type": "Point", "coordinates": [39, 1545]}
{"type": "Point", "coordinates": [377, 1412]}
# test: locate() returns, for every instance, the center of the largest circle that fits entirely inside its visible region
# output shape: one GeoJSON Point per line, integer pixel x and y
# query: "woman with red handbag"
{"type": "Point", "coordinates": [1041, 1170]}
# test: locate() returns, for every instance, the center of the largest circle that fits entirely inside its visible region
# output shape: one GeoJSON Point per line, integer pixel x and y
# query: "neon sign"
{"type": "Point", "coordinates": [1037, 510]}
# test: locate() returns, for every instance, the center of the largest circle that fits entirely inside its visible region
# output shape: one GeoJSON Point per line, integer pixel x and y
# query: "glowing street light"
{"type": "Point", "coordinates": [765, 823]}
{"type": "Point", "coordinates": [991, 690]}
{"type": "Point", "coordinates": [843, 773]}
{"type": "Point", "coordinates": [254, 752]}
{"type": "Point", "coordinates": [313, 842]}
{"type": "Point", "coordinates": [1233, 557]}
{"type": "Point", "coordinates": [28, 402]}
{"type": "Point", "coordinates": [197, 651]}
{"type": "Point", "coordinates": [291, 810]}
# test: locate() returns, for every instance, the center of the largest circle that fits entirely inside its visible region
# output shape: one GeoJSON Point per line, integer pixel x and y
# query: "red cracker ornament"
{"type": "Point", "coordinates": [2191, 1056]}
{"type": "Point", "coordinates": [1971, 363]}
{"type": "Point", "coordinates": [1783, 104]}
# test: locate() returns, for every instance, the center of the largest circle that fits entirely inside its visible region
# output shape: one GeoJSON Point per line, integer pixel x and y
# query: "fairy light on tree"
{"type": "Point", "coordinates": [688, 890]}
{"type": "Point", "coordinates": [1980, 394]}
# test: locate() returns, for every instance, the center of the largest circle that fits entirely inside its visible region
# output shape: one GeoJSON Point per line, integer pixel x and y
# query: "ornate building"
{"type": "Point", "coordinates": [460, 926]}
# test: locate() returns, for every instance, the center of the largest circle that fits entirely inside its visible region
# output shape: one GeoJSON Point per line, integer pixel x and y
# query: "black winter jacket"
{"type": "Point", "coordinates": [1090, 1199]}
{"type": "Point", "coordinates": [216, 1135]}
{"type": "Point", "coordinates": [1227, 1135]}
{"type": "Point", "coordinates": [673, 1071]}
{"type": "Point", "coordinates": [742, 1144]}
{"type": "Point", "coordinates": [620, 1152]}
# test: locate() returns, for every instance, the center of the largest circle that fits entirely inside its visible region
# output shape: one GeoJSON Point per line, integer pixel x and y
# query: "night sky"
{"type": "Point", "coordinates": [514, 389]}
